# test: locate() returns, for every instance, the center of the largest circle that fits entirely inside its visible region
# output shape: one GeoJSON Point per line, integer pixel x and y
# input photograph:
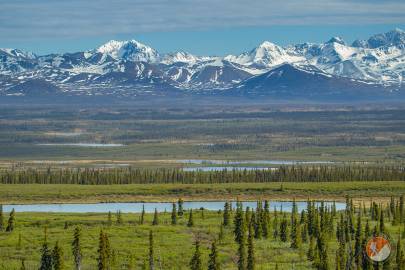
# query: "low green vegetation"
{"type": "Point", "coordinates": [329, 133]}
{"type": "Point", "coordinates": [34, 193]}
{"type": "Point", "coordinates": [319, 237]}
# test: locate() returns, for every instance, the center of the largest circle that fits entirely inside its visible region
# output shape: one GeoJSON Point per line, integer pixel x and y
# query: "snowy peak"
{"type": "Point", "coordinates": [266, 55]}
{"type": "Point", "coordinates": [179, 57]}
{"type": "Point", "coordinates": [129, 50]}
{"type": "Point", "coordinates": [394, 37]}
{"type": "Point", "coordinates": [338, 40]}
{"type": "Point", "coordinates": [17, 53]}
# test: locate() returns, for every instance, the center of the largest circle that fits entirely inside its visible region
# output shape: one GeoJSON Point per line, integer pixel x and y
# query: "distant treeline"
{"type": "Point", "coordinates": [324, 173]}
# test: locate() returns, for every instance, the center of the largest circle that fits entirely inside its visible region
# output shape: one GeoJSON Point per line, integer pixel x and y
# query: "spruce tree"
{"type": "Point", "coordinates": [174, 214]}
{"type": "Point", "coordinates": [213, 263]}
{"type": "Point", "coordinates": [57, 257]}
{"type": "Point", "coordinates": [266, 219]}
{"type": "Point", "coordinates": [239, 223]}
{"type": "Point", "coordinates": [190, 222]}
{"type": "Point", "coordinates": [1, 218]}
{"type": "Point", "coordinates": [104, 252]}
{"type": "Point", "coordinates": [242, 253]}
{"type": "Point", "coordinates": [275, 225]}
{"type": "Point", "coordinates": [151, 252]}
{"type": "Point", "coordinates": [284, 229]}
{"type": "Point", "coordinates": [257, 224]}
{"type": "Point", "coordinates": [195, 263]}
{"type": "Point", "coordinates": [109, 218]}
{"type": "Point", "coordinates": [251, 252]}
{"type": "Point", "coordinates": [399, 260]}
{"type": "Point", "coordinates": [401, 209]}
{"type": "Point", "coordinates": [119, 217]}
{"type": "Point", "coordinates": [155, 218]}
{"type": "Point", "coordinates": [77, 249]}
{"type": "Point", "coordinates": [381, 224]}
{"type": "Point", "coordinates": [358, 242]}
{"type": "Point", "coordinates": [46, 255]}
{"type": "Point", "coordinates": [180, 207]}
{"type": "Point", "coordinates": [321, 258]}
{"type": "Point", "coordinates": [311, 249]}
{"type": "Point", "coordinates": [226, 215]}
{"type": "Point", "coordinates": [142, 217]}
{"type": "Point", "coordinates": [11, 221]}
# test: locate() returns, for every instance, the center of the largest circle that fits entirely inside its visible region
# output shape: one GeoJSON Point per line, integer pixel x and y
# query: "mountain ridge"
{"type": "Point", "coordinates": [131, 68]}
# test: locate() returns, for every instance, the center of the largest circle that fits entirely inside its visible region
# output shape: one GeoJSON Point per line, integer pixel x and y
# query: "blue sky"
{"type": "Point", "coordinates": [204, 27]}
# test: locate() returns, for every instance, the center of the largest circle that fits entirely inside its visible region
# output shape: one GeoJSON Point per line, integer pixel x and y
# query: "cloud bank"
{"type": "Point", "coordinates": [36, 19]}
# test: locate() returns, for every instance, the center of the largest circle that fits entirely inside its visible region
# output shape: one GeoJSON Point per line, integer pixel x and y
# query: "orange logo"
{"type": "Point", "coordinates": [378, 249]}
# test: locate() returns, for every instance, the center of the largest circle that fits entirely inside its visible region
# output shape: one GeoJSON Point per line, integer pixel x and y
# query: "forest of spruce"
{"type": "Point", "coordinates": [318, 237]}
{"type": "Point", "coordinates": [94, 176]}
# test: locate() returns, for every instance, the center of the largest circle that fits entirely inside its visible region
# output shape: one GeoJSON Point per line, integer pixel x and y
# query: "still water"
{"type": "Point", "coordinates": [136, 207]}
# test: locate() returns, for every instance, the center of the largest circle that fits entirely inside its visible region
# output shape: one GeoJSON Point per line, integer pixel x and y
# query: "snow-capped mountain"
{"type": "Point", "coordinates": [130, 68]}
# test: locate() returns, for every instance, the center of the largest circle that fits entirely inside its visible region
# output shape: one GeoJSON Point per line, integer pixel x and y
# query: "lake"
{"type": "Point", "coordinates": [82, 144]}
{"type": "Point", "coordinates": [136, 207]}
{"type": "Point", "coordinates": [222, 168]}
{"type": "Point", "coordinates": [238, 162]}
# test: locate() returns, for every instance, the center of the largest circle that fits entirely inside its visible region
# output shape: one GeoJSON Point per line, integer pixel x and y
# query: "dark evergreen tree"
{"type": "Point", "coordinates": [401, 209]}
{"type": "Point", "coordinates": [275, 225]}
{"type": "Point", "coordinates": [119, 220]}
{"type": "Point", "coordinates": [109, 219]}
{"type": "Point", "coordinates": [251, 251]}
{"type": "Point", "coordinates": [284, 229]}
{"type": "Point", "coordinates": [155, 218]}
{"type": "Point", "coordinates": [180, 207]}
{"type": "Point", "coordinates": [399, 258]}
{"type": "Point", "coordinates": [226, 215]}
{"type": "Point", "coordinates": [321, 261]}
{"type": "Point", "coordinates": [239, 223]}
{"type": "Point", "coordinates": [195, 263]}
{"type": "Point", "coordinates": [77, 248]}
{"type": "Point", "coordinates": [11, 221]}
{"type": "Point", "coordinates": [104, 252]}
{"type": "Point", "coordinates": [57, 257]}
{"type": "Point", "coordinates": [311, 249]}
{"type": "Point", "coordinates": [1, 218]}
{"type": "Point", "coordinates": [381, 226]}
{"type": "Point", "coordinates": [358, 242]}
{"type": "Point", "coordinates": [266, 219]}
{"type": "Point", "coordinates": [46, 255]}
{"type": "Point", "coordinates": [174, 214]}
{"type": "Point", "coordinates": [190, 222]}
{"type": "Point", "coordinates": [213, 263]}
{"type": "Point", "coordinates": [142, 217]}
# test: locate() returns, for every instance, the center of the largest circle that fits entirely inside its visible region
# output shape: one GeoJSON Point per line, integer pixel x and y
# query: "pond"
{"type": "Point", "coordinates": [237, 162]}
{"type": "Point", "coordinates": [136, 207]}
{"type": "Point", "coordinates": [82, 144]}
{"type": "Point", "coordinates": [222, 168]}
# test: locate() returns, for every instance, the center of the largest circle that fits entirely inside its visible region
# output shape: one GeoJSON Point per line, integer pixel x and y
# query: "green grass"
{"type": "Point", "coordinates": [36, 193]}
{"type": "Point", "coordinates": [173, 243]}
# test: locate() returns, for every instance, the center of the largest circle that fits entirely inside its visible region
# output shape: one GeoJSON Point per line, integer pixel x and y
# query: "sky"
{"type": "Point", "coordinates": [202, 27]}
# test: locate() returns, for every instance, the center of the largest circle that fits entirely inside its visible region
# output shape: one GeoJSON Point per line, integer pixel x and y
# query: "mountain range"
{"type": "Point", "coordinates": [371, 69]}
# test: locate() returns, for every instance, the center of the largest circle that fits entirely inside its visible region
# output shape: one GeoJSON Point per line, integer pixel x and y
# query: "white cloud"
{"type": "Point", "coordinates": [35, 19]}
